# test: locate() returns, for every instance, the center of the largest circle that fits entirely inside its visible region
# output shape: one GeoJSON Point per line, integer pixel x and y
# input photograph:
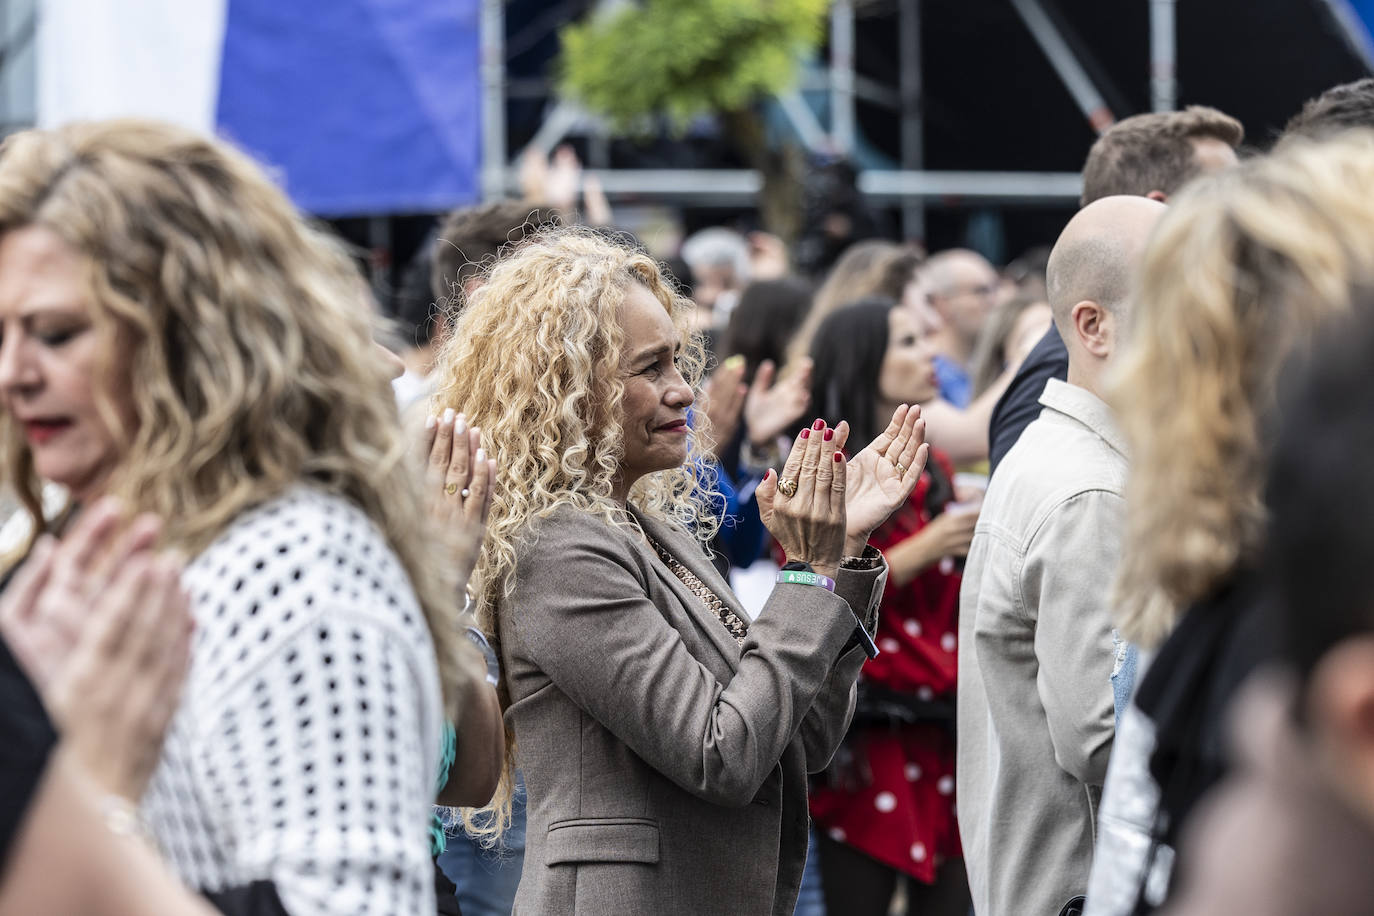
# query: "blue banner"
{"type": "Point", "coordinates": [361, 106]}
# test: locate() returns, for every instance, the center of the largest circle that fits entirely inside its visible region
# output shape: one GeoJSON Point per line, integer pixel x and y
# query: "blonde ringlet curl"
{"type": "Point", "coordinates": [240, 335]}
{"type": "Point", "coordinates": [1241, 271]}
{"type": "Point", "coordinates": [534, 360]}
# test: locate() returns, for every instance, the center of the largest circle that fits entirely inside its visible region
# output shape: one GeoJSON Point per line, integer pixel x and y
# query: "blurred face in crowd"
{"type": "Point", "coordinates": [907, 375]}
{"type": "Point", "coordinates": [709, 282]}
{"type": "Point", "coordinates": [50, 362]}
{"type": "Point", "coordinates": [654, 409]}
{"type": "Point", "coordinates": [968, 296]}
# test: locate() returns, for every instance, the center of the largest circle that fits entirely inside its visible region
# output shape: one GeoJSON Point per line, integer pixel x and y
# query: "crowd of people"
{"type": "Point", "coordinates": [715, 586]}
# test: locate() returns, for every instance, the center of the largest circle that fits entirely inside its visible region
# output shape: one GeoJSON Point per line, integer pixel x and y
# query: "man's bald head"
{"type": "Point", "coordinates": [1096, 254]}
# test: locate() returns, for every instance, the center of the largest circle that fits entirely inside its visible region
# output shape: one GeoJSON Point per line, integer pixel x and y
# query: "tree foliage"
{"type": "Point", "coordinates": [686, 57]}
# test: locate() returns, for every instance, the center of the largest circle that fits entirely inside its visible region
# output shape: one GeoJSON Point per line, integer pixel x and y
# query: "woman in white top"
{"type": "Point", "coordinates": [172, 333]}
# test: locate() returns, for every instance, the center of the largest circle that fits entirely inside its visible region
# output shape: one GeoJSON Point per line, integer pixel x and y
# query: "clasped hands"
{"type": "Point", "coordinates": [822, 507]}
{"type": "Point", "coordinates": [101, 625]}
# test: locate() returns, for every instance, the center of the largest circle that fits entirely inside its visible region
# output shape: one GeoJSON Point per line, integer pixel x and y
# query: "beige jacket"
{"type": "Point", "coordinates": [1036, 656]}
{"type": "Point", "coordinates": [666, 764]}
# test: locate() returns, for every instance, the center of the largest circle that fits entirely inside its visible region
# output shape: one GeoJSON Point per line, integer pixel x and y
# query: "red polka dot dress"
{"type": "Point", "coordinates": [890, 791]}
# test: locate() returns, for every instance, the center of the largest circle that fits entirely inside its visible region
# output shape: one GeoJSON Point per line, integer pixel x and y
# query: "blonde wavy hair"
{"type": "Point", "coordinates": [240, 334]}
{"type": "Point", "coordinates": [1240, 271]}
{"type": "Point", "coordinates": [534, 360]}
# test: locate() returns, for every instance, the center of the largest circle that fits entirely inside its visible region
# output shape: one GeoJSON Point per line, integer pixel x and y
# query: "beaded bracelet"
{"type": "Point", "coordinates": [799, 577]}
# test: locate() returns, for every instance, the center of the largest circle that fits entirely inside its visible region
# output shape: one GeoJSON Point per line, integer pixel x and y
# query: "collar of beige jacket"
{"type": "Point", "coordinates": [1087, 408]}
{"type": "Point", "coordinates": [687, 551]}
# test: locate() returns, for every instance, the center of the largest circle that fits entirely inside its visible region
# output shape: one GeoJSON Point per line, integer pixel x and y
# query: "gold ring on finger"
{"type": "Point", "coordinates": [787, 487]}
{"type": "Point", "coordinates": [901, 469]}
{"type": "Point", "coordinates": [452, 488]}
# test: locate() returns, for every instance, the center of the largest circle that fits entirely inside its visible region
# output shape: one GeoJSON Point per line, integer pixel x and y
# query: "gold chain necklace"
{"type": "Point", "coordinates": [737, 627]}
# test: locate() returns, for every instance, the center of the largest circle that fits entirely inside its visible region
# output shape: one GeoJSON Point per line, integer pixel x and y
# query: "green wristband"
{"type": "Point", "coordinates": [798, 577]}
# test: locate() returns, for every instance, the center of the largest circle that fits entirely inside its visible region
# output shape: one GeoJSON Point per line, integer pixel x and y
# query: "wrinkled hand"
{"type": "Point", "coordinates": [458, 483]}
{"type": "Point", "coordinates": [112, 688]}
{"type": "Point", "coordinates": [809, 524]}
{"type": "Point", "coordinates": [770, 408]}
{"type": "Point", "coordinates": [876, 488]}
{"type": "Point", "coordinates": [725, 397]}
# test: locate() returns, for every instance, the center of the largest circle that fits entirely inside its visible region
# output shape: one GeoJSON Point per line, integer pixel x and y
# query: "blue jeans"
{"type": "Point", "coordinates": [487, 878]}
{"type": "Point", "coordinates": [810, 900]}
{"type": "Point", "coordinates": [1123, 675]}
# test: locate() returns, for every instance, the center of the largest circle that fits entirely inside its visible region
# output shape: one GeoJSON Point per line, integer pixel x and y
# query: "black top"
{"type": "Point", "coordinates": [26, 739]}
{"type": "Point", "coordinates": [1020, 403]}
{"type": "Point", "coordinates": [1188, 688]}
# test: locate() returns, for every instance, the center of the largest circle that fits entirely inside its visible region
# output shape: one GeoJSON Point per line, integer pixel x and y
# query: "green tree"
{"type": "Point", "coordinates": [682, 58]}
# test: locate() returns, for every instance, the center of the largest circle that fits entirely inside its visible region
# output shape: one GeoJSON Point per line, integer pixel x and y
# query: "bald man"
{"type": "Point", "coordinates": [1036, 647]}
{"type": "Point", "coordinates": [962, 288]}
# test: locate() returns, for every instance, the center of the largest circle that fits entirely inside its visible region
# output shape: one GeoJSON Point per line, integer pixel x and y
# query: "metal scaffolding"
{"type": "Point", "coordinates": [911, 187]}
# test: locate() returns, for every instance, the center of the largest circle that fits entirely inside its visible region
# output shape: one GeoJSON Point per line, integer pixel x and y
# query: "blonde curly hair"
{"type": "Point", "coordinates": [239, 333]}
{"type": "Point", "coordinates": [1240, 271]}
{"type": "Point", "coordinates": [534, 360]}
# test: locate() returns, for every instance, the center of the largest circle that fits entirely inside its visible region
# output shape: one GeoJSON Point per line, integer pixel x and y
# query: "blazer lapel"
{"type": "Point", "coordinates": [687, 552]}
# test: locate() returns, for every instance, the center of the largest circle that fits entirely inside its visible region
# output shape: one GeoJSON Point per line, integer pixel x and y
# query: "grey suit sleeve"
{"type": "Point", "coordinates": [1069, 568]}
{"type": "Point", "coordinates": [826, 723]}
{"type": "Point", "coordinates": [582, 614]}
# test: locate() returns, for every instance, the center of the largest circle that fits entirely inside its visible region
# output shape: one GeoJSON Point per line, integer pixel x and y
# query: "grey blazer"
{"type": "Point", "coordinates": [665, 763]}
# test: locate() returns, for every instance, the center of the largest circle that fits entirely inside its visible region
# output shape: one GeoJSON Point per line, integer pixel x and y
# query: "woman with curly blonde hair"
{"type": "Point", "coordinates": [175, 335]}
{"type": "Point", "coordinates": [1242, 270]}
{"type": "Point", "coordinates": [664, 737]}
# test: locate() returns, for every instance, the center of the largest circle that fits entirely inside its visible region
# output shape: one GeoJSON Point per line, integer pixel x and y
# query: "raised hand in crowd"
{"type": "Point", "coordinates": [102, 626]}
{"type": "Point", "coordinates": [767, 256]}
{"type": "Point", "coordinates": [556, 181]}
{"type": "Point", "coordinates": [883, 474]}
{"type": "Point", "coordinates": [726, 396]}
{"type": "Point", "coordinates": [458, 478]}
{"type": "Point", "coordinates": [773, 407]}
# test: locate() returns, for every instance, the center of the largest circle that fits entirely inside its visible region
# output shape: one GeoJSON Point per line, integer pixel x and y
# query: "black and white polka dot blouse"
{"type": "Point", "coordinates": [305, 748]}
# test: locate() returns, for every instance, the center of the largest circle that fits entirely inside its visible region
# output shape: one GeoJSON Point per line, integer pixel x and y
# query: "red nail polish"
{"type": "Point", "coordinates": [806, 434]}
{"type": "Point", "coordinates": [829, 434]}
{"type": "Point", "coordinates": [819, 424]}
{"type": "Point", "coordinates": [838, 457]}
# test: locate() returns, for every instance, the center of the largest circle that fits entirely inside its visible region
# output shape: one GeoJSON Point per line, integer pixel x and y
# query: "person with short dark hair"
{"type": "Point", "coordinates": [442, 272]}
{"type": "Point", "coordinates": [1344, 107]}
{"type": "Point", "coordinates": [1154, 154]}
